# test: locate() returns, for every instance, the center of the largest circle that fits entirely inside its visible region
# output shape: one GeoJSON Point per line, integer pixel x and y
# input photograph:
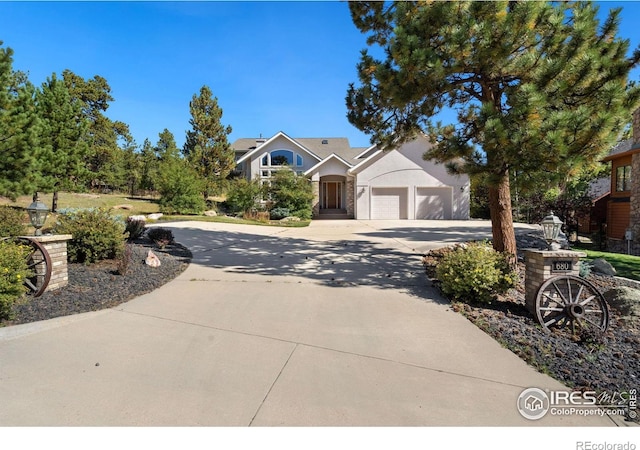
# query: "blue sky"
{"type": "Point", "coordinates": [274, 66]}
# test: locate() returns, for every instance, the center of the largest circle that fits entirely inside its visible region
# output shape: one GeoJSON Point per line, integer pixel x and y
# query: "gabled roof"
{"type": "Point", "coordinates": [256, 148]}
{"type": "Point", "coordinates": [320, 148]}
{"type": "Point", "coordinates": [361, 164]}
{"type": "Point", "coordinates": [326, 160]}
{"type": "Point", "coordinates": [622, 148]}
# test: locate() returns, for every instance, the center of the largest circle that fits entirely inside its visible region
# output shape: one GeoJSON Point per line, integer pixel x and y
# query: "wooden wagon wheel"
{"type": "Point", "coordinates": [568, 300]}
{"type": "Point", "coordinates": [38, 263]}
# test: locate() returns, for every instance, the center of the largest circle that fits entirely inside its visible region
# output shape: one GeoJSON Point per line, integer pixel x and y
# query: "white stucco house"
{"type": "Point", "coordinates": [362, 183]}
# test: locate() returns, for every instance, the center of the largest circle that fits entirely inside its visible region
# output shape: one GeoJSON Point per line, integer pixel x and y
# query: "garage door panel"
{"type": "Point", "coordinates": [433, 203]}
{"type": "Point", "coordinates": [388, 203]}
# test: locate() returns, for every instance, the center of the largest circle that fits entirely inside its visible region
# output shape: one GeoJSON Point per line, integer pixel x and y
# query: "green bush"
{"type": "Point", "coordinates": [181, 189]}
{"type": "Point", "coordinates": [475, 272]}
{"type": "Point", "coordinates": [96, 234]}
{"type": "Point", "coordinates": [279, 213]}
{"type": "Point", "coordinates": [287, 190]}
{"type": "Point", "coordinates": [243, 195]}
{"type": "Point", "coordinates": [12, 222]}
{"type": "Point", "coordinates": [13, 271]}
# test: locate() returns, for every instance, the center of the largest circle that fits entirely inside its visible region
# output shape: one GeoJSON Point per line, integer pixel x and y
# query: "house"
{"type": "Point", "coordinates": [623, 209]}
{"type": "Point", "coordinates": [362, 183]}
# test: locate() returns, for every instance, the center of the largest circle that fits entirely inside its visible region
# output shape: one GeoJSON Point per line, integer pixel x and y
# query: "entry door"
{"type": "Point", "coordinates": [332, 194]}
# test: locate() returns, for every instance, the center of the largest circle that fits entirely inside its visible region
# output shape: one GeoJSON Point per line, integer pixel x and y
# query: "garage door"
{"type": "Point", "coordinates": [433, 203]}
{"type": "Point", "coordinates": [388, 203]}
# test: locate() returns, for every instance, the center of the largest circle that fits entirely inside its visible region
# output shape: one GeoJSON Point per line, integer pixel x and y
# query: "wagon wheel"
{"type": "Point", "coordinates": [38, 263]}
{"type": "Point", "coordinates": [568, 300]}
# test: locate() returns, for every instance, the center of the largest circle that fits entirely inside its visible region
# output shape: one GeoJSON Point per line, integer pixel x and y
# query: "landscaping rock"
{"type": "Point", "coordinates": [626, 300]}
{"type": "Point", "coordinates": [210, 213]}
{"type": "Point", "coordinates": [603, 267]}
{"type": "Point", "coordinates": [126, 207]}
{"type": "Point", "coordinates": [290, 219]}
{"type": "Point", "coordinates": [141, 218]}
{"type": "Point", "coordinates": [154, 216]}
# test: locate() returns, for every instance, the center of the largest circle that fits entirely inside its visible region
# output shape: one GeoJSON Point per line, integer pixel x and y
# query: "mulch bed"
{"type": "Point", "coordinates": [100, 285]}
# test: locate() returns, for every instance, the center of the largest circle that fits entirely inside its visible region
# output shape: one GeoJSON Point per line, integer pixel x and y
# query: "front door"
{"type": "Point", "coordinates": [332, 198]}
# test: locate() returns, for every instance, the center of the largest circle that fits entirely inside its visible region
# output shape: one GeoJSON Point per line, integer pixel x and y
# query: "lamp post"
{"type": "Point", "coordinates": [38, 212]}
{"type": "Point", "coordinates": [551, 229]}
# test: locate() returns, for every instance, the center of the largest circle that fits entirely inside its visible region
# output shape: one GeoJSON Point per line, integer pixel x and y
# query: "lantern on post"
{"type": "Point", "coordinates": [38, 212]}
{"type": "Point", "coordinates": [551, 229]}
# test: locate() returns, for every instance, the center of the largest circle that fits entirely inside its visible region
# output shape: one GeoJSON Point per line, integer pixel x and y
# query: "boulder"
{"type": "Point", "coordinates": [152, 260]}
{"type": "Point", "coordinates": [601, 266]}
{"type": "Point", "coordinates": [210, 213]}
{"type": "Point", "coordinates": [138, 218]}
{"type": "Point", "coordinates": [290, 219]}
{"type": "Point", "coordinates": [154, 216]}
{"type": "Point", "coordinates": [625, 300]}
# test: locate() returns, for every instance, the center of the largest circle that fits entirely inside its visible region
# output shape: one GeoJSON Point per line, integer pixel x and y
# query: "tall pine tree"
{"type": "Point", "coordinates": [19, 130]}
{"type": "Point", "coordinates": [207, 147]}
{"type": "Point", "coordinates": [61, 161]}
{"type": "Point", "coordinates": [537, 86]}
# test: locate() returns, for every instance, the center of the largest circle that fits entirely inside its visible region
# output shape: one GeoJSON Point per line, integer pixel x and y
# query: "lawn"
{"type": "Point", "coordinates": [124, 205]}
{"type": "Point", "coordinates": [626, 266]}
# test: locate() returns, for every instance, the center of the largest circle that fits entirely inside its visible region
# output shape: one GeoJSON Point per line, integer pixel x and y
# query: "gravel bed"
{"type": "Point", "coordinates": [99, 286]}
{"type": "Point", "coordinates": [607, 362]}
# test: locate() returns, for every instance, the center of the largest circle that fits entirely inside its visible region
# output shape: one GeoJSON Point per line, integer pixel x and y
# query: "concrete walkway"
{"type": "Point", "coordinates": [333, 324]}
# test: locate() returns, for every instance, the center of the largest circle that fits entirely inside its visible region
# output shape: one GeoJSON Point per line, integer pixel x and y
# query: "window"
{"type": "Point", "coordinates": [282, 158]}
{"type": "Point", "coordinates": [623, 178]}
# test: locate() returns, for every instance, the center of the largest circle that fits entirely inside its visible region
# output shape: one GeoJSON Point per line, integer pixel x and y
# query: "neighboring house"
{"type": "Point", "coordinates": [623, 209]}
{"type": "Point", "coordinates": [361, 183]}
{"type": "Point", "coordinates": [595, 221]}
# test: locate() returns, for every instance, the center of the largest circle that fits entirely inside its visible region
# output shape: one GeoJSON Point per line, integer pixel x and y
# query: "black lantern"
{"type": "Point", "coordinates": [38, 212]}
{"type": "Point", "coordinates": [551, 229]}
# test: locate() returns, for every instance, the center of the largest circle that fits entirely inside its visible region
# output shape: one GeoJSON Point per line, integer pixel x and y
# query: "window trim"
{"type": "Point", "coordinates": [623, 178]}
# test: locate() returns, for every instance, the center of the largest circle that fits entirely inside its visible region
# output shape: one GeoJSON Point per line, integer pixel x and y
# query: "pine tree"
{"type": "Point", "coordinates": [537, 87]}
{"type": "Point", "coordinates": [61, 161]}
{"type": "Point", "coordinates": [19, 130]}
{"type": "Point", "coordinates": [207, 147]}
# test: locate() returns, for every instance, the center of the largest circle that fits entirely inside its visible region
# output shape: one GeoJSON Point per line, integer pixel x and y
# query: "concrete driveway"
{"type": "Point", "coordinates": [334, 324]}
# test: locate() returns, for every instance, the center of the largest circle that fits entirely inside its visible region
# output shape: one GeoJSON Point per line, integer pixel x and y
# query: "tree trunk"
{"type": "Point", "coordinates": [54, 202]}
{"type": "Point", "coordinates": [504, 238]}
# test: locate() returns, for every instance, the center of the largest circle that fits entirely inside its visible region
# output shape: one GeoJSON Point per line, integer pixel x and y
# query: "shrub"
{"type": "Point", "coordinates": [244, 195]}
{"type": "Point", "coordinates": [161, 236]}
{"type": "Point", "coordinates": [475, 272]}
{"type": "Point", "coordinates": [13, 271]}
{"type": "Point", "coordinates": [12, 222]}
{"type": "Point", "coordinates": [279, 213]}
{"type": "Point", "coordinates": [96, 234]}
{"type": "Point", "coordinates": [180, 189]}
{"type": "Point", "coordinates": [287, 190]}
{"type": "Point", "coordinates": [135, 228]}
{"type": "Point", "coordinates": [259, 216]}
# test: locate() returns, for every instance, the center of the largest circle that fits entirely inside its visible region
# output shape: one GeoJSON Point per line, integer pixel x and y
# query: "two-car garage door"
{"type": "Point", "coordinates": [393, 203]}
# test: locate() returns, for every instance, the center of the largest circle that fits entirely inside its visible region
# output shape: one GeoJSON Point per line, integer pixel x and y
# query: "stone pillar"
{"type": "Point", "coordinates": [350, 198]}
{"type": "Point", "coordinates": [540, 265]}
{"type": "Point", "coordinates": [315, 187]}
{"type": "Point", "coordinates": [634, 216]}
{"type": "Point", "coordinates": [56, 246]}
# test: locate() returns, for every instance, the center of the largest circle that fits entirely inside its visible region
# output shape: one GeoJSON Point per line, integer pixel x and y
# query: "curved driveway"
{"type": "Point", "coordinates": [333, 324]}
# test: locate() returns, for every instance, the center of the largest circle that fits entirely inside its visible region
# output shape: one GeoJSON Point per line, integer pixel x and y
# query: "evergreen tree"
{"type": "Point", "coordinates": [148, 167]}
{"type": "Point", "coordinates": [61, 161]}
{"type": "Point", "coordinates": [537, 87]}
{"type": "Point", "coordinates": [19, 130]}
{"type": "Point", "coordinates": [207, 147]}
